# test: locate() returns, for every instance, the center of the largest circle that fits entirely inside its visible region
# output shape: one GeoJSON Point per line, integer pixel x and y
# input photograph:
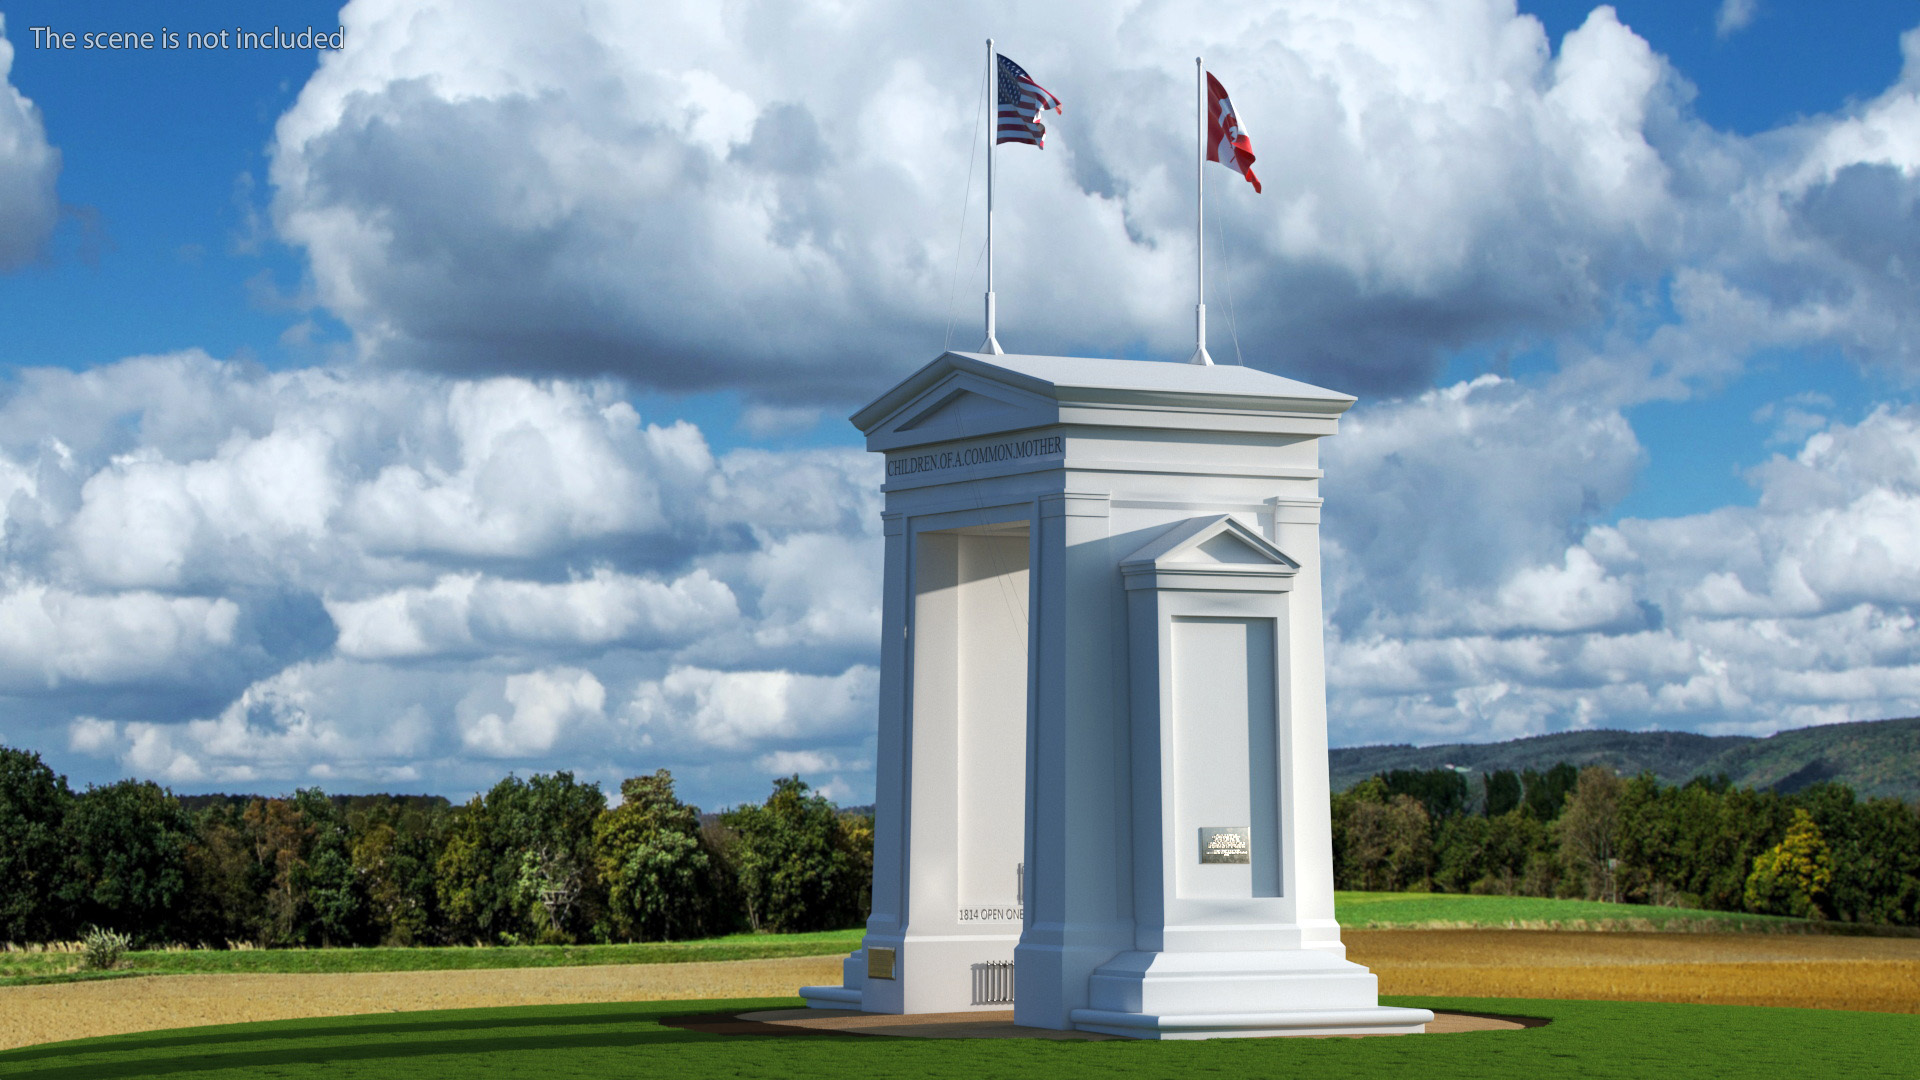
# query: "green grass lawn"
{"type": "Point", "coordinates": [1384, 910]}
{"type": "Point", "coordinates": [1596, 1039]}
{"type": "Point", "coordinates": [21, 967]}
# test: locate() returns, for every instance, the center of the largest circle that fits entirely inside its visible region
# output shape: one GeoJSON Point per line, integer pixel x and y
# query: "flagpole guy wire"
{"type": "Point", "coordinates": [1199, 215]}
{"type": "Point", "coordinates": [992, 345]}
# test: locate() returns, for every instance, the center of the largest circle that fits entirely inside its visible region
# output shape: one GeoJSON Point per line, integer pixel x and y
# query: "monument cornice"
{"type": "Point", "coordinates": [963, 395]}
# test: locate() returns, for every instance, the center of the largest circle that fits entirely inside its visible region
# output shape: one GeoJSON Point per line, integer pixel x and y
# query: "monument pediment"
{"type": "Point", "coordinates": [958, 405]}
{"type": "Point", "coordinates": [1215, 540]}
{"type": "Point", "coordinates": [1212, 552]}
{"type": "Point", "coordinates": [965, 406]}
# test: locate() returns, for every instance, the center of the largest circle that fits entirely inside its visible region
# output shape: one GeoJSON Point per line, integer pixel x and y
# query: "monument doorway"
{"type": "Point", "coordinates": [968, 705]}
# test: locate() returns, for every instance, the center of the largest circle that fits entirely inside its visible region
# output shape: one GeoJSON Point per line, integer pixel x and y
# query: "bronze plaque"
{"type": "Point", "coordinates": [1225, 844]}
{"type": "Point", "coordinates": [879, 963]}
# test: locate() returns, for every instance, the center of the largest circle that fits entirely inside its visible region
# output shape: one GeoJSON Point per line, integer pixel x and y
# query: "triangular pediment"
{"type": "Point", "coordinates": [962, 408]}
{"type": "Point", "coordinates": [1219, 541]}
{"type": "Point", "coordinates": [963, 405]}
{"type": "Point", "coordinates": [1224, 548]}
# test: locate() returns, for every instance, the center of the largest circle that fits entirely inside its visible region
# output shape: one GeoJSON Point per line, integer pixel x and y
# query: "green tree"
{"type": "Point", "coordinates": [335, 912]}
{"type": "Point", "coordinates": [126, 849]}
{"type": "Point", "coordinates": [654, 862]}
{"type": "Point", "coordinates": [1545, 793]}
{"type": "Point", "coordinates": [1372, 789]}
{"type": "Point", "coordinates": [856, 839]}
{"type": "Point", "coordinates": [1876, 855]}
{"type": "Point", "coordinates": [1589, 830]}
{"type": "Point", "coordinates": [1389, 844]}
{"type": "Point", "coordinates": [474, 900]}
{"type": "Point", "coordinates": [395, 843]}
{"type": "Point", "coordinates": [1502, 791]}
{"type": "Point", "coordinates": [1520, 859]}
{"type": "Point", "coordinates": [33, 804]}
{"type": "Point", "coordinates": [1460, 849]}
{"type": "Point", "coordinates": [1793, 877]}
{"type": "Point", "coordinates": [280, 838]}
{"type": "Point", "coordinates": [795, 867]}
{"type": "Point", "coordinates": [226, 884]}
{"type": "Point", "coordinates": [1443, 793]}
{"type": "Point", "coordinates": [1693, 845]}
{"type": "Point", "coordinates": [519, 861]}
{"type": "Point", "coordinates": [559, 885]}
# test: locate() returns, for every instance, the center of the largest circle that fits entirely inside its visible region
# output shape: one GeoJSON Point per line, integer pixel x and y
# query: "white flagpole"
{"type": "Point", "coordinates": [1199, 214]}
{"type": "Point", "coordinates": [992, 345]}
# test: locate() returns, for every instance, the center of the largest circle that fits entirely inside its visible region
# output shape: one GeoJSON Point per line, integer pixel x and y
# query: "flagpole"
{"type": "Point", "coordinates": [992, 344]}
{"type": "Point", "coordinates": [1199, 214]}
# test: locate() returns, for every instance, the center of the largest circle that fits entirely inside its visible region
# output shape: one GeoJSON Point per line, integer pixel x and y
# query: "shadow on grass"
{"type": "Point", "coordinates": [318, 1028]}
{"type": "Point", "coordinates": [391, 1049]}
{"type": "Point", "coordinates": [1590, 1039]}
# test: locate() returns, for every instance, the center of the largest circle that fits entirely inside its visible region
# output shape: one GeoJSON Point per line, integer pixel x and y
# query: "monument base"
{"type": "Point", "coordinates": [853, 981]}
{"type": "Point", "coordinates": [1210, 995]}
{"type": "Point", "coordinates": [830, 997]}
{"type": "Point", "coordinates": [949, 975]}
{"type": "Point", "coordinates": [1379, 1020]}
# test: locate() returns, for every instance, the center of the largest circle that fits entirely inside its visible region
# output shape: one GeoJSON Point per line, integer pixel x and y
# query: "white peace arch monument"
{"type": "Point", "coordinates": [1102, 777]}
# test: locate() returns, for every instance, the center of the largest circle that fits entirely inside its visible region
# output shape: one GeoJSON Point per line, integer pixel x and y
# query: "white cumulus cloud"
{"type": "Point", "coordinates": [466, 613]}
{"type": "Point", "coordinates": [50, 636]}
{"type": "Point", "coordinates": [542, 706]}
{"type": "Point", "coordinates": [29, 167]}
{"type": "Point", "coordinates": [1799, 609]}
{"type": "Point", "coordinates": [734, 709]}
{"type": "Point", "coordinates": [693, 199]}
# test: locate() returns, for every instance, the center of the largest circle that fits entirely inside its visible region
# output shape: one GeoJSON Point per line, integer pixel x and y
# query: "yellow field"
{"type": "Point", "coordinates": [1809, 971]}
{"type": "Point", "coordinates": [36, 1014]}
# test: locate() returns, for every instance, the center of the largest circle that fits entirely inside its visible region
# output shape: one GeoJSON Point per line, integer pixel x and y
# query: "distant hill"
{"type": "Point", "coordinates": [1874, 757]}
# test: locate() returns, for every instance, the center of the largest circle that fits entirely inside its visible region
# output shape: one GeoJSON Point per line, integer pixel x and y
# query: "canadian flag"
{"type": "Point", "coordinates": [1226, 143]}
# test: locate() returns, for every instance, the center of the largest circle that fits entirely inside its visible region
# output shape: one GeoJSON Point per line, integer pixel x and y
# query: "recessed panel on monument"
{"type": "Point", "coordinates": [1101, 787]}
{"type": "Point", "coordinates": [1225, 728]}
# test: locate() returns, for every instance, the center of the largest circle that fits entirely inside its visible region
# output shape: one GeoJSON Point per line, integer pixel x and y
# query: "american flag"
{"type": "Point", "coordinates": [1021, 102]}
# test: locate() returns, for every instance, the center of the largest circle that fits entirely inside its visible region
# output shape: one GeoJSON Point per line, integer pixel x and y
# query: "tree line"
{"type": "Point", "coordinates": [1820, 853]}
{"type": "Point", "coordinates": [542, 859]}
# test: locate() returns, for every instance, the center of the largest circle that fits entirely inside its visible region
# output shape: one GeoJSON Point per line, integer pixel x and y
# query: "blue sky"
{"type": "Point", "coordinates": [1624, 293]}
{"type": "Point", "coordinates": [164, 156]}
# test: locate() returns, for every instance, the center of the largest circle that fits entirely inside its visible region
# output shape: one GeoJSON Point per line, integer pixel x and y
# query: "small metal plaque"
{"type": "Point", "coordinates": [880, 963]}
{"type": "Point", "coordinates": [1225, 844]}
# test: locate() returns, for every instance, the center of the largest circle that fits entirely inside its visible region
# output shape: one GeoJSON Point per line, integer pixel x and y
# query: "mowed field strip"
{"type": "Point", "coordinates": [1864, 973]}
{"type": "Point", "coordinates": [1807, 971]}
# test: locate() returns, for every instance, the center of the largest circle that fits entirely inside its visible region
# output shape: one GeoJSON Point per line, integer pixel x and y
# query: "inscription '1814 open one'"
{"type": "Point", "coordinates": [1225, 844]}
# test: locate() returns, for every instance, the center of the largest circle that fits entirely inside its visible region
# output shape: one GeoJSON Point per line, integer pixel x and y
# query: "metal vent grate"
{"type": "Point", "coordinates": [993, 983]}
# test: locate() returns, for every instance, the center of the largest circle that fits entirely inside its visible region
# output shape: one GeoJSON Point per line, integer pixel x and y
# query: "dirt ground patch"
{"type": "Point", "coordinates": [1808, 971]}
{"type": "Point", "coordinates": [37, 1014]}
{"type": "Point", "coordinates": [1879, 974]}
